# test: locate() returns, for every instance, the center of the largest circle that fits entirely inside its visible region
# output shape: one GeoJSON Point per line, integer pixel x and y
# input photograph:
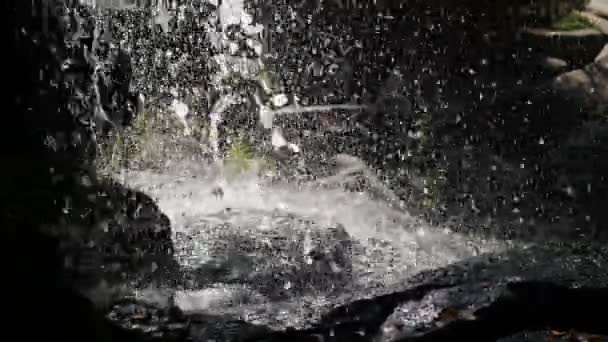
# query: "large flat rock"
{"type": "Point", "coordinates": [589, 83]}
{"type": "Point", "coordinates": [578, 47]}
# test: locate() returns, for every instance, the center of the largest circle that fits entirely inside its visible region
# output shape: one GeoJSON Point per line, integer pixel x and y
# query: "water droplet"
{"type": "Point", "coordinates": [569, 190]}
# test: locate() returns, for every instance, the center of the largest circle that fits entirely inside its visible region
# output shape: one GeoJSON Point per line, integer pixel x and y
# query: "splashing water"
{"type": "Point", "coordinates": [186, 194]}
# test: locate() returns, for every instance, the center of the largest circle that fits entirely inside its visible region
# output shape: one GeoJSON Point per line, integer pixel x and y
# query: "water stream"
{"type": "Point", "coordinates": [391, 244]}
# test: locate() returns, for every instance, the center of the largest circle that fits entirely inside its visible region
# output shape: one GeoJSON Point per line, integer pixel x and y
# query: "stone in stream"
{"type": "Point", "coordinates": [123, 240]}
{"type": "Point", "coordinates": [294, 256]}
{"type": "Point", "coordinates": [586, 84]}
{"type": "Point", "coordinates": [329, 251]}
{"type": "Point", "coordinates": [554, 64]}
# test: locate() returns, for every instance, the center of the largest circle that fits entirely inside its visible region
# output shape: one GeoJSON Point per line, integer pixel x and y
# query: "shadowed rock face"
{"type": "Point", "coordinates": [577, 47]}
{"type": "Point", "coordinates": [587, 82]}
{"type": "Point", "coordinates": [65, 228]}
{"type": "Point", "coordinates": [46, 151]}
{"type": "Point", "coordinates": [123, 239]}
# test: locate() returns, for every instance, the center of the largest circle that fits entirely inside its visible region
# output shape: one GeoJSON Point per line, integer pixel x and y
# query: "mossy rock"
{"type": "Point", "coordinates": [572, 22]}
{"type": "Point", "coordinates": [577, 47]}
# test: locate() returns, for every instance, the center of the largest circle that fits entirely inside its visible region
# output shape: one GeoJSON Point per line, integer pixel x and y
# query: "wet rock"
{"type": "Point", "coordinates": [329, 253]}
{"type": "Point", "coordinates": [211, 328]}
{"type": "Point", "coordinates": [509, 308]}
{"type": "Point", "coordinates": [158, 297]}
{"type": "Point", "coordinates": [603, 55]}
{"type": "Point", "coordinates": [122, 237]}
{"type": "Point", "coordinates": [589, 83]}
{"type": "Point", "coordinates": [295, 255]}
{"type": "Point", "coordinates": [149, 320]}
{"type": "Point", "coordinates": [215, 298]}
{"type": "Point", "coordinates": [578, 47]}
{"type": "Point", "coordinates": [555, 64]}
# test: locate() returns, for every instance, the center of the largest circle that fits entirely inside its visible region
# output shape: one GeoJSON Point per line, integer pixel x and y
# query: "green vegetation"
{"type": "Point", "coordinates": [241, 156]}
{"type": "Point", "coordinates": [156, 138]}
{"type": "Point", "coordinates": [571, 22]}
{"type": "Point", "coordinates": [432, 169]}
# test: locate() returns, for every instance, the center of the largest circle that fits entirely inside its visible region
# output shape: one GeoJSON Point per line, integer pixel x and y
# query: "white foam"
{"type": "Point", "coordinates": [252, 199]}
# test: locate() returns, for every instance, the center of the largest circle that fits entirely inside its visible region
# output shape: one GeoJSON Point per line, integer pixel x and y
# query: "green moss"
{"type": "Point", "coordinates": [430, 166]}
{"type": "Point", "coordinates": [241, 156]}
{"type": "Point", "coordinates": [571, 22]}
{"type": "Point", "coordinates": [435, 186]}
